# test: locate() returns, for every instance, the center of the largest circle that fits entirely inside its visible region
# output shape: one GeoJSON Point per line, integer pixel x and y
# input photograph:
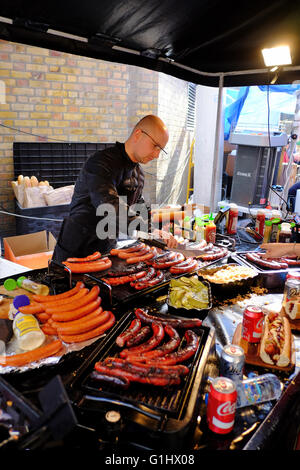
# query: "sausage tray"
{"type": "Point", "coordinates": [269, 278]}
{"type": "Point", "coordinates": [163, 415]}
{"type": "Point", "coordinates": [125, 293]}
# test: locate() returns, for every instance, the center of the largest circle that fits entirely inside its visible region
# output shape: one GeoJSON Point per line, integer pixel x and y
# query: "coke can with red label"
{"type": "Point", "coordinates": [221, 405]}
{"type": "Point", "coordinates": [252, 324]}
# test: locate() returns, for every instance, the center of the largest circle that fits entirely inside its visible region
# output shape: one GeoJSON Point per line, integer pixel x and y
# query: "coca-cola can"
{"type": "Point", "coordinates": [252, 324]}
{"type": "Point", "coordinates": [232, 362]}
{"type": "Point", "coordinates": [221, 405]}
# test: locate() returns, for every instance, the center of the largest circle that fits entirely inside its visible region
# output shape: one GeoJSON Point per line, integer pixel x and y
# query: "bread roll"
{"type": "Point", "coordinates": [34, 181]}
{"type": "Point", "coordinates": [292, 309]}
{"type": "Point", "coordinates": [20, 179]}
{"type": "Point", "coordinates": [26, 181]}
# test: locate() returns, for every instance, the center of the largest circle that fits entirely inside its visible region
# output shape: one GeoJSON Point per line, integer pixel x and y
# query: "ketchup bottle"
{"type": "Point", "coordinates": [232, 219]}
{"type": "Point", "coordinates": [210, 230]}
{"type": "Point", "coordinates": [260, 222]}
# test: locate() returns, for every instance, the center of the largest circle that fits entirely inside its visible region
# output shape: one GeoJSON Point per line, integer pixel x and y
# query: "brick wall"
{"type": "Point", "coordinates": [173, 168]}
{"type": "Point", "coordinates": [59, 96]}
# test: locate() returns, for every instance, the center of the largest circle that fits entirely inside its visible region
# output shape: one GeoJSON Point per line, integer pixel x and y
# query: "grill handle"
{"type": "Point", "coordinates": [157, 417]}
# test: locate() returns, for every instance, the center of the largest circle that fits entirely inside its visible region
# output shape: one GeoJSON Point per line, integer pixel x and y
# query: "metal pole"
{"type": "Point", "coordinates": [215, 167]}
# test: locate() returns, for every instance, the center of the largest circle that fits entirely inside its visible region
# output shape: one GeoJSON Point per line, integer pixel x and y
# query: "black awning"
{"type": "Point", "coordinates": [177, 37]}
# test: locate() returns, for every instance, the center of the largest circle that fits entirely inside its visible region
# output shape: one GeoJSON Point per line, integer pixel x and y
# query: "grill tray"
{"type": "Point", "coordinates": [126, 293]}
{"type": "Point", "coordinates": [162, 411]}
{"type": "Point", "coordinates": [270, 278]}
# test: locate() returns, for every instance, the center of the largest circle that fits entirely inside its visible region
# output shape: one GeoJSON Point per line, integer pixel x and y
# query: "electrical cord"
{"type": "Point", "coordinates": [4, 211]}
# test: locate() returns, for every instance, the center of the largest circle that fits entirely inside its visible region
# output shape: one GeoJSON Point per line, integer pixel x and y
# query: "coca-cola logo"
{"type": "Point", "coordinates": [226, 408]}
{"type": "Point", "coordinates": [259, 323]}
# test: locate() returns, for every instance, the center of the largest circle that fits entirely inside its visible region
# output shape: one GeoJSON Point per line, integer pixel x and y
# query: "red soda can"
{"type": "Point", "coordinates": [221, 405]}
{"type": "Point", "coordinates": [252, 324]}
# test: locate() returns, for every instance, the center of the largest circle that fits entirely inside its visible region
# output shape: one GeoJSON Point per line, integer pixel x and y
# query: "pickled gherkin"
{"type": "Point", "coordinates": [188, 293]}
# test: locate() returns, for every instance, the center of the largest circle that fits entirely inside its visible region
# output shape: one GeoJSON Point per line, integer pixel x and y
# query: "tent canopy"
{"type": "Point", "coordinates": [194, 40]}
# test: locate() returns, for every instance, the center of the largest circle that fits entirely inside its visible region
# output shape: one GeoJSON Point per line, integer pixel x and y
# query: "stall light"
{"type": "Point", "coordinates": [280, 55]}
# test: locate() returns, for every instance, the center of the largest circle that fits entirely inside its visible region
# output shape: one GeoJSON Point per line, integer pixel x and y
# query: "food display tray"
{"type": "Point", "coordinates": [252, 353]}
{"type": "Point", "coordinates": [271, 279]}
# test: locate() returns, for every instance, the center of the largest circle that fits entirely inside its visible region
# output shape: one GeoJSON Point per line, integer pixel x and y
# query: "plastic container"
{"type": "Point", "coordinates": [232, 220]}
{"type": "Point", "coordinates": [186, 225]}
{"type": "Point", "coordinates": [210, 230]}
{"type": "Point", "coordinates": [275, 230]}
{"type": "Point", "coordinates": [31, 286]}
{"type": "Point", "coordinates": [285, 234]}
{"type": "Point", "coordinates": [267, 231]}
{"type": "Point", "coordinates": [257, 390]}
{"type": "Point", "coordinates": [26, 327]}
{"type": "Point", "coordinates": [260, 222]}
{"type": "Point", "coordinates": [199, 229]}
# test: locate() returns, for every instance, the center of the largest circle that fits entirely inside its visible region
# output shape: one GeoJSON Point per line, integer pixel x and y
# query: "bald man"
{"type": "Point", "coordinates": [108, 194]}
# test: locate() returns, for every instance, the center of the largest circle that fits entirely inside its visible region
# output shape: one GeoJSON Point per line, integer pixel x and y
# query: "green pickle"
{"type": "Point", "coordinates": [188, 293]}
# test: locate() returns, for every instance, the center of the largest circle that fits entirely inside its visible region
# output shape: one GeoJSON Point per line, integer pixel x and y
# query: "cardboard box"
{"type": "Point", "coordinates": [32, 250]}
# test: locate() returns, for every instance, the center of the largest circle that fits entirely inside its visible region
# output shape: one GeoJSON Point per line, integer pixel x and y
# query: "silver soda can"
{"type": "Point", "coordinates": [232, 362]}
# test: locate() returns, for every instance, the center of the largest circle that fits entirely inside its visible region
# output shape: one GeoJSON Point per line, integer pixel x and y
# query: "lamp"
{"type": "Point", "coordinates": [277, 56]}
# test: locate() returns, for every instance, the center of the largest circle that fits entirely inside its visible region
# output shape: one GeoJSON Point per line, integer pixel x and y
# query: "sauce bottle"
{"type": "Point", "coordinates": [260, 222]}
{"type": "Point", "coordinates": [26, 327]}
{"type": "Point", "coordinates": [267, 231]}
{"type": "Point", "coordinates": [210, 231]}
{"type": "Point", "coordinates": [285, 234]}
{"type": "Point", "coordinates": [32, 286]}
{"type": "Point", "coordinates": [232, 220]}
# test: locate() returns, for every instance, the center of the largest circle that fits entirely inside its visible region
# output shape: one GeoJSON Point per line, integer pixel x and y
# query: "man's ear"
{"type": "Point", "coordinates": [136, 134]}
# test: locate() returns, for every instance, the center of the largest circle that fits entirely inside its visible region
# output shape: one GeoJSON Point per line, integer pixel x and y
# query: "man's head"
{"type": "Point", "coordinates": [147, 140]}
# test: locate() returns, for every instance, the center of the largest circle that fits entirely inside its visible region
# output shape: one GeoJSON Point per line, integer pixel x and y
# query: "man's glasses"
{"type": "Point", "coordinates": [155, 143]}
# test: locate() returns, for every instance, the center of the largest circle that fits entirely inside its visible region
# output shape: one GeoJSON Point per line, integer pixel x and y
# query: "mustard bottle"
{"type": "Point", "coordinates": [26, 327]}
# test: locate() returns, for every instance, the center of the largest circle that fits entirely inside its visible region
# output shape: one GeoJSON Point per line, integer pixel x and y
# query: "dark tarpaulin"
{"type": "Point", "coordinates": [178, 38]}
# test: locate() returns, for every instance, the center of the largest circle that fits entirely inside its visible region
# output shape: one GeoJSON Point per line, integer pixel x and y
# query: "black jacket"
{"type": "Point", "coordinates": [105, 176]}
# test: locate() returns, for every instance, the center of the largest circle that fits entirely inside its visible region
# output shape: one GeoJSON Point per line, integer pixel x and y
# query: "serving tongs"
{"type": "Point", "coordinates": [149, 239]}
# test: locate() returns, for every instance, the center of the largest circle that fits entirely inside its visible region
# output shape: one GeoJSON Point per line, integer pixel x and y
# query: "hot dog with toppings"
{"type": "Point", "coordinates": [275, 345]}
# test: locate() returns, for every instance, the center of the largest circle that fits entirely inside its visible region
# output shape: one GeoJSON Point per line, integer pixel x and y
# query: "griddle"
{"type": "Point", "coordinates": [162, 415]}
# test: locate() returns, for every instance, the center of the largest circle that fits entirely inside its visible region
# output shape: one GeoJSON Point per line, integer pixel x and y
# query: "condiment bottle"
{"type": "Point", "coordinates": [210, 230]}
{"type": "Point", "coordinates": [267, 231]}
{"type": "Point", "coordinates": [232, 220]}
{"type": "Point", "coordinates": [186, 225]}
{"type": "Point", "coordinates": [32, 286]}
{"type": "Point", "coordinates": [26, 327]}
{"type": "Point", "coordinates": [275, 230]}
{"type": "Point", "coordinates": [260, 222]}
{"type": "Point", "coordinates": [285, 234]}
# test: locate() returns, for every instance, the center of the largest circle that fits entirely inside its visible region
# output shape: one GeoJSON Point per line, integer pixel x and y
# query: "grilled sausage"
{"type": "Point", "coordinates": [186, 266]}
{"type": "Point", "coordinates": [139, 337]}
{"type": "Point", "coordinates": [159, 380]}
{"type": "Point", "coordinates": [155, 340]}
{"type": "Point", "coordinates": [92, 257]}
{"type": "Point", "coordinates": [181, 355]}
{"type": "Point", "coordinates": [134, 327]}
{"type": "Point", "coordinates": [120, 382]}
{"type": "Point", "coordinates": [175, 322]}
{"type": "Point", "coordinates": [145, 369]}
{"type": "Point", "coordinates": [166, 348]}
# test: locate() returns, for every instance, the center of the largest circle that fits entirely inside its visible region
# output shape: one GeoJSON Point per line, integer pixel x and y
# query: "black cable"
{"type": "Point", "coordinates": [33, 135]}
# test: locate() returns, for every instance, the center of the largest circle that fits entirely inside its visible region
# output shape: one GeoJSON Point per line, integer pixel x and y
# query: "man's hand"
{"type": "Point", "coordinates": [166, 237]}
{"type": "Point", "coordinates": [277, 250]}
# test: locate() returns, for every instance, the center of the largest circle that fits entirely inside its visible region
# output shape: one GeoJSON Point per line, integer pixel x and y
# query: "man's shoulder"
{"type": "Point", "coordinates": [103, 157]}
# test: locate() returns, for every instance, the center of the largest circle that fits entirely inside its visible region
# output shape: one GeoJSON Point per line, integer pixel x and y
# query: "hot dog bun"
{"type": "Point", "coordinates": [277, 333]}
{"type": "Point", "coordinates": [292, 309]}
